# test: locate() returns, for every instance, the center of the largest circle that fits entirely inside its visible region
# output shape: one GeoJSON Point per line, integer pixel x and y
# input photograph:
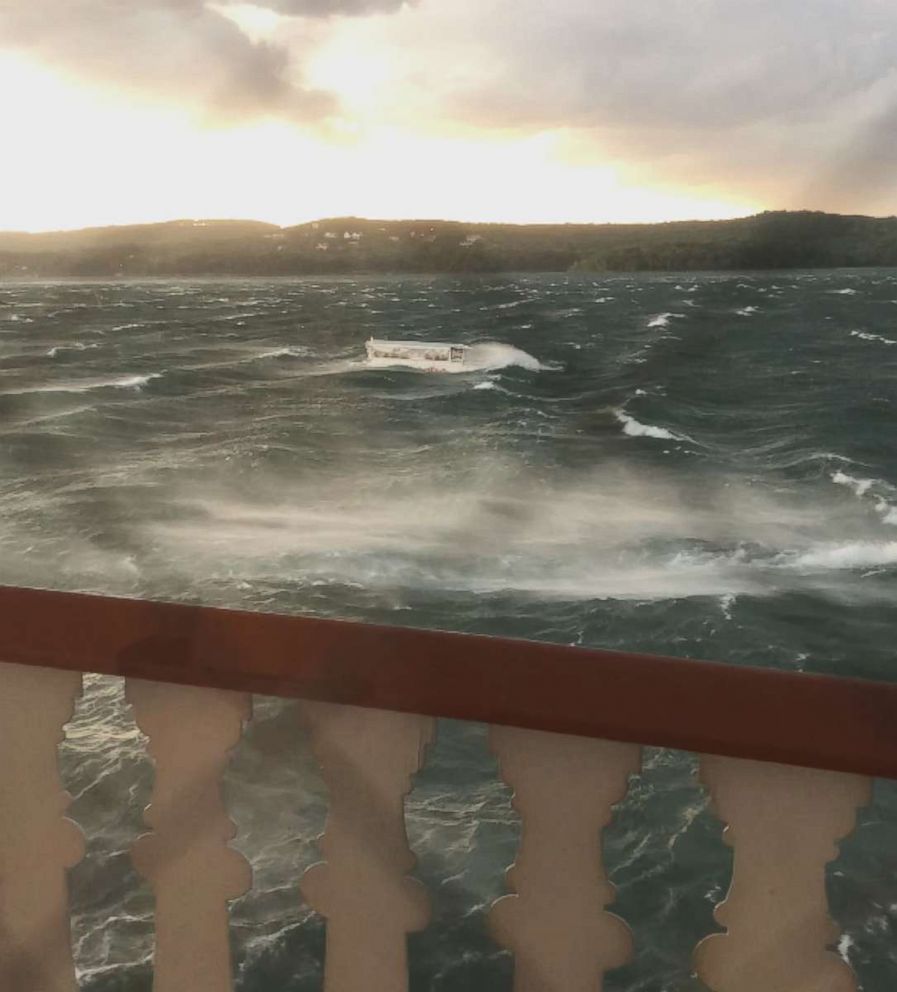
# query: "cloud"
{"type": "Point", "coordinates": [692, 63]}
{"type": "Point", "coordinates": [868, 162]}
{"type": "Point", "coordinates": [787, 102]}
{"type": "Point", "coordinates": [763, 93]}
{"type": "Point", "coordinates": [180, 51]}
{"type": "Point", "coordinates": [330, 8]}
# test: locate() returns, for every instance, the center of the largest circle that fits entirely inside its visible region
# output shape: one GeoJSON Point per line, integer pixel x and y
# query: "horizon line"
{"type": "Point", "coordinates": [201, 221]}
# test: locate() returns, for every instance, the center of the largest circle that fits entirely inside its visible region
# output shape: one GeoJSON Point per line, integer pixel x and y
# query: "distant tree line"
{"type": "Point", "coordinates": [773, 240]}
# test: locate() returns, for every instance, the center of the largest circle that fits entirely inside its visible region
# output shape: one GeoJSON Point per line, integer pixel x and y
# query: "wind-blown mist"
{"type": "Point", "coordinates": [701, 465]}
{"type": "Point", "coordinates": [613, 535]}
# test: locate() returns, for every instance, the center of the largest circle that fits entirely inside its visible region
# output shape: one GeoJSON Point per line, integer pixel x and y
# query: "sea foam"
{"type": "Point", "coordinates": [633, 428]}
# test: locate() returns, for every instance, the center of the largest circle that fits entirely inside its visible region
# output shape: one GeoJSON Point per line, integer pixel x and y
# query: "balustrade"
{"type": "Point", "coordinates": [783, 819]}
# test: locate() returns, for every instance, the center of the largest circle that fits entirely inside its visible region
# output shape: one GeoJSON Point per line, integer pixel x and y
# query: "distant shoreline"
{"type": "Point", "coordinates": [212, 277]}
{"type": "Point", "coordinates": [774, 241]}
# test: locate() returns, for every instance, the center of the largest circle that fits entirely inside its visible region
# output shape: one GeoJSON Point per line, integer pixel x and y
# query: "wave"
{"type": "Point", "coordinates": [842, 292]}
{"type": "Point", "coordinates": [492, 355]}
{"type": "Point", "coordinates": [77, 346]}
{"type": "Point", "coordinates": [747, 311]}
{"type": "Point", "coordinates": [726, 602]}
{"type": "Point", "coordinates": [663, 319]}
{"type": "Point", "coordinates": [131, 381]}
{"type": "Point", "coordinates": [859, 486]}
{"type": "Point", "coordinates": [292, 351]}
{"type": "Point", "coordinates": [30, 422]}
{"type": "Point", "coordinates": [633, 428]}
{"type": "Point", "coordinates": [864, 487]}
{"type": "Point", "coordinates": [887, 511]}
{"type": "Point", "coordinates": [136, 382]}
{"type": "Point", "coordinates": [867, 336]}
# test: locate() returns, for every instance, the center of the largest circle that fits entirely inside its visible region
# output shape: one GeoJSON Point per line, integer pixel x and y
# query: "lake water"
{"type": "Point", "coordinates": [702, 466]}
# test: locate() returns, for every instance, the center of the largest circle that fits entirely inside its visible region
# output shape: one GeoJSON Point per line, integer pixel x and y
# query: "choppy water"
{"type": "Point", "coordinates": [696, 465]}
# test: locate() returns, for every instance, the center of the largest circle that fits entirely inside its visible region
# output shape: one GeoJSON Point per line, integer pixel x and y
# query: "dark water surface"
{"type": "Point", "coordinates": [703, 466]}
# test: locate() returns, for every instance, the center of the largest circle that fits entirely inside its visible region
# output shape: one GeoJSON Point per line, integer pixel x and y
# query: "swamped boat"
{"type": "Point", "coordinates": [425, 356]}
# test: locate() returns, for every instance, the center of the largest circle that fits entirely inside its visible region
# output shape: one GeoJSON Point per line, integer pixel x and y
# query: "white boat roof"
{"type": "Point", "coordinates": [390, 343]}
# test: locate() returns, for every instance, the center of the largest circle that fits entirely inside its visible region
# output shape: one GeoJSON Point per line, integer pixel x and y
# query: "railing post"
{"type": "Point", "coordinates": [186, 859]}
{"type": "Point", "coordinates": [783, 823]}
{"type": "Point", "coordinates": [367, 758]}
{"type": "Point", "coordinates": [36, 843]}
{"type": "Point", "coordinates": [564, 787]}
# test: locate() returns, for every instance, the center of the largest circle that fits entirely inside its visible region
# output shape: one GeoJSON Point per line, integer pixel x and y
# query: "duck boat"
{"type": "Point", "coordinates": [425, 356]}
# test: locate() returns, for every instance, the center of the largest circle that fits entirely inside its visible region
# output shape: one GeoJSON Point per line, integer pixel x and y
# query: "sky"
{"type": "Point", "coordinates": [127, 111]}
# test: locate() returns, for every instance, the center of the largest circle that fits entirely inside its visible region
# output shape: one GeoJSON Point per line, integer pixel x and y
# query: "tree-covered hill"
{"type": "Point", "coordinates": [352, 245]}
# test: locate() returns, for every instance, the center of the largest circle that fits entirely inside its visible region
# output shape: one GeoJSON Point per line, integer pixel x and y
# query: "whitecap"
{"type": "Point", "coordinates": [136, 382]}
{"type": "Point", "coordinates": [844, 946]}
{"type": "Point", "coordinates": [662, 319]}
{"type": "Point", "coordinates": [859, 486]}
{"type": "Point", "coordinates": [868, 336]}
{"type": "Point", "coordinates": [863, 487]}
{"type": "Point", "coordinates": [295, 351]}
{"type": "Point", "coordinates": [747, 311]}
{"type": "Point", "coordinates": [133, 381]}
{"type": "Point", "coordinates": [633, 428]}
{"type": "Point", "coordinates": [888, 512]}
{"type": "Point", "coordinates": [842, 292]}
{"type": "Point", "coordinates": [77, 346]}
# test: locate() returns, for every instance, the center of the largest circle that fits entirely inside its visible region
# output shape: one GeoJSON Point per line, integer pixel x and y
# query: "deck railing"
{"type": "Point", "coordinates": [787, 760]}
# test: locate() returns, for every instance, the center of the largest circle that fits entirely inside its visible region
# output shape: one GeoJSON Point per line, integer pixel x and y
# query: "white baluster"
{"type": "Point", "coordinates": [186, 859]}
{"type": "Point", "coordinates": [783, 823]}
{"type": "Point", "coordinates": [564, 787]}
{"type": "Point", "coordinates": [36, 843]}
{"type": "Point", "coordinates": [367, 758]}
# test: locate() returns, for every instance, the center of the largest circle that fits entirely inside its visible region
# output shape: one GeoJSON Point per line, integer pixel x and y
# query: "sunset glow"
{"type": "Point", "coordinates": [285, 112]}
{"type": "Point", "coordinates": [96, 159]}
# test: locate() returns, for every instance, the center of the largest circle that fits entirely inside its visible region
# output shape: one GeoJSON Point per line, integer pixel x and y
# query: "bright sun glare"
{"type": "Point", "coordinates": [93, 158]}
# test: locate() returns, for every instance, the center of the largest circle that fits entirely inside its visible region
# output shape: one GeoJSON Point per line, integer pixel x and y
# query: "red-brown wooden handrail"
{"type": "Point", "coordinates": [812, 720]}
